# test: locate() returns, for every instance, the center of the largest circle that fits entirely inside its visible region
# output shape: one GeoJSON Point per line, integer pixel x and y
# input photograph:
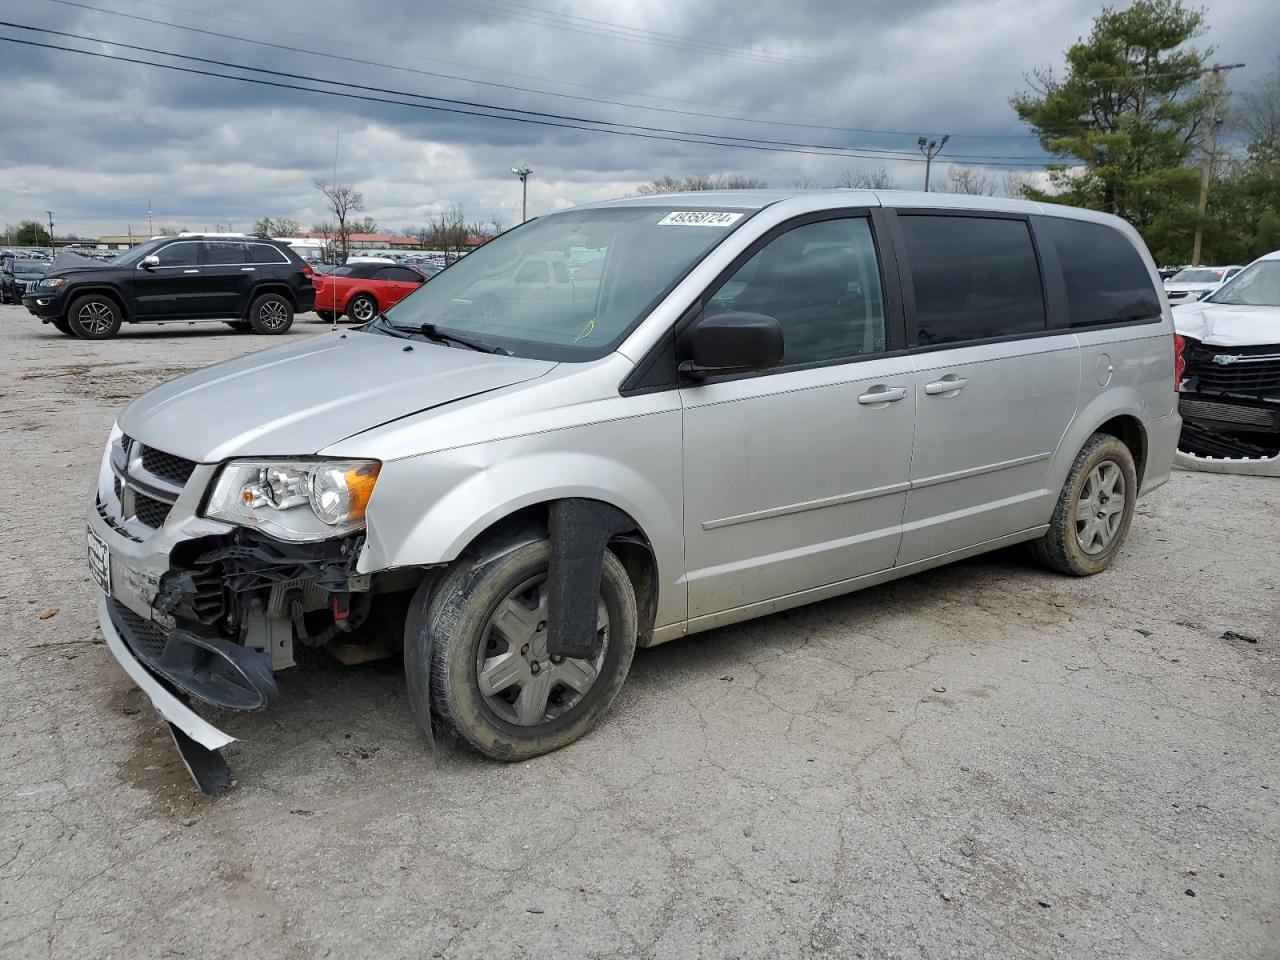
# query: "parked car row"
{"type": "Point", "coordinates": [1195, 283]}
{"type": "Point", "coordinates": [250, 283]}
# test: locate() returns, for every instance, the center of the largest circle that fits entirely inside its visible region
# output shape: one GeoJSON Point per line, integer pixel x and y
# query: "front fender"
{"type": "Point", "coordinates": [427, 509]}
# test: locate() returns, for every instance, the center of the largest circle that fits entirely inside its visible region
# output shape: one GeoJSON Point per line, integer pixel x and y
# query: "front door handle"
{"type": "Point", "coordinates": [948, 384]}
{"type": "Point", "coordinates": [882, 395]}
{"type": "Point", "coordinates": [246, 269]}
{"type": "Point", "coordinates": [190, 271]}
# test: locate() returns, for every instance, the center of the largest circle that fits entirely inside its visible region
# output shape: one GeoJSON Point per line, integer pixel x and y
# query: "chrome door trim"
{"type": "Point", "coordinates": [791, 508]}
{"type": "Point", "coordinates": [978, 471]}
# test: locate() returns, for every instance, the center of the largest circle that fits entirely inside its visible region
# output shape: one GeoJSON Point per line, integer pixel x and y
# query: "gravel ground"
{"type": "Point", "coordinates": [983, 761]}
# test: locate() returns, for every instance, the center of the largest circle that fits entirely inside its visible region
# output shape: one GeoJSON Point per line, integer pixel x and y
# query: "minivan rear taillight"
{"type": "Point", "coordinates": [1179, 361]}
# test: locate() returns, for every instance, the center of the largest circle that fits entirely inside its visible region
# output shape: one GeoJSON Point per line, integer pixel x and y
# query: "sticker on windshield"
{"type": "Point", "coordinates": [699, 218]}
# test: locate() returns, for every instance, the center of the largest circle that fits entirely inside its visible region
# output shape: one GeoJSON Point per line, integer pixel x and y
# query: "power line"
{"type": "Point", "coordinates": [508, 86]}
{"type": "Point", "coordinates": [879, 153]}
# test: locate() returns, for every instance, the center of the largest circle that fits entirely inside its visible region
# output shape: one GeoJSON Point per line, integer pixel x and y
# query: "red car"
{"type": "Point", "coordinates": [362, 290]}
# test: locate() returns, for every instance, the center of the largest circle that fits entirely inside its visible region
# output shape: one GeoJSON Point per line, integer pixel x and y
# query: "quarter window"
{"type": "Point", "coordinates": [265, 253]}
{"type": "Point", "coordinates": [1106, 280]}
{"type": "Point", "coordinates": [821, 282]}
{"type": "Point", "coordinates": [178, 255]}
{"type": "Point", "coordinates": [973, 278]}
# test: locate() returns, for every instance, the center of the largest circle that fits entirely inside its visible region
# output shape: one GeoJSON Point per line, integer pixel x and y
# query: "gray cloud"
{"type": "Point", "coordinates": [94, 140]}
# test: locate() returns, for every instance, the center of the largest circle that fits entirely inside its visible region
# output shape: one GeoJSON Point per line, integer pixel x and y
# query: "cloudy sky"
{"type": "Point", "coordinates": [97, 140]}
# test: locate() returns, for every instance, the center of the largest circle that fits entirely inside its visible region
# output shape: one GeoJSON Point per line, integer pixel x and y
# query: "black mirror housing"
{"type": "Point", "coordinates": [732, 342]}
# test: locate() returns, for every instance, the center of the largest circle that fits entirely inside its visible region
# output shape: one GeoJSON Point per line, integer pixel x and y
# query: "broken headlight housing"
{"type": "Point", "coordinates": [298, 500]}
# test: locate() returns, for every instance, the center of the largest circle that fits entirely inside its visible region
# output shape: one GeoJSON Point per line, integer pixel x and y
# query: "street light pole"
{"type": "Point", "coordinates": [51, 253]}
{"type": "Point", "coordinates": [523, 173]}
{"type": "Point", "coordinates": [930, 149]}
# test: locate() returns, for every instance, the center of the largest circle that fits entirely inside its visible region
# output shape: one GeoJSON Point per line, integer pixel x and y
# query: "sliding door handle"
{"type": "Point", "coordinates": [878, 395]}
{"type": "Point", "coordinates": [948, 384]}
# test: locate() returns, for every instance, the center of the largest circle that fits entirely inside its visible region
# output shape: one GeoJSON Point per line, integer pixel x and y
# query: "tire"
{"type": "Point", "coordinates": [1082, 545]}
{"type": "Point", "coordinates": [60, 324]}
{"type": "Point", "coordinates": [241, 325]}
{"type": "Point", "coordinates": [271, 314]}
{"type": "Point", "coordinates": [452, 617]}
{"type": "Point", "coordinates": [93, 317]}
{"type": "Point", "coordinates": [362, 308]}
{"type": "Point", "coordinates": [325, 315]}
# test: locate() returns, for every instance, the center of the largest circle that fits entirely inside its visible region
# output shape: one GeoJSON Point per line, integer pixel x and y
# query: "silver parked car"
{"type": "Point", "coordinates": [751, 401]}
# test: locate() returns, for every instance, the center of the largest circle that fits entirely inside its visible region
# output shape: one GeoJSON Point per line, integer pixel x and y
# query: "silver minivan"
{"type": "Point", "coordinates": [734, 403]}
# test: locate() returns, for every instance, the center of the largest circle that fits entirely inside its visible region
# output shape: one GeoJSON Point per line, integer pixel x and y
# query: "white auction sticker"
{"type": "Point", "coordinates": [699, 218]}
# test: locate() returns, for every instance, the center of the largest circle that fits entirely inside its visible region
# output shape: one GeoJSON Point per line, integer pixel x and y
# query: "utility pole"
{"type": "Point", "coordinates": [524, 173]}
{"type": "Point", "coordinates": [150, 226]}
{"type": "Point", "coordinates": [51, 253]}
{"type": "Point", "coordinates": [930, 149]}
{"type": "Point", "coordinates": [1213, 88]}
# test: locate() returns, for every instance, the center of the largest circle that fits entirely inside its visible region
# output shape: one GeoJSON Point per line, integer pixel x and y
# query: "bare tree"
{"type": "Point", "coordinates": [284, 227]}
{"type": "Point", "coordinates": [971, 181]}
{"type": "Point", "coordinates": [343, 200]}
{"type": "Point", "coordinates": [699, 181]}
{"type": "Point", "coordinates": [803, 183]}
{"type": "Point", "coordinates": [878, 179]}
{"type": "Point", "coordinates": [1018, 184]}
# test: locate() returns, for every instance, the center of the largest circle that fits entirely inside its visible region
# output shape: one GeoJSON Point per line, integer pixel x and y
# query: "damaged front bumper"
{"type": "Point", "coordinates": [167, 704]}
{"type": "Point", "coordinates": [1230, 406]}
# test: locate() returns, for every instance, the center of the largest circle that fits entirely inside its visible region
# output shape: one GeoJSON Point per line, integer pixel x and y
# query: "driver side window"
{"type": "Point", "coordinates": [177, 255]}
{"type": "Point", "coordinates": [821, 282]}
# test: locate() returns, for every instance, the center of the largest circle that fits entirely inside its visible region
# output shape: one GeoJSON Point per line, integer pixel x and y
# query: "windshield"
{"type": "Point", "coordinates": [130, 257]}
{"type": "Point", "coordinates": [528, 292]}
{"type": "Point", "coordinates": [1196, 275]}
{"type": "Point", "coordinates": [1257, 285]}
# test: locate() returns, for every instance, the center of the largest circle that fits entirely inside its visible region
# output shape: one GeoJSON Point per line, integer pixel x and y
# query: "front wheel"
{"type": "Point", "coordinates": [476, 655]}
{"type": "Point", "coordinates": [94, 318]}
{"type": "Point", "coordinates": [1094, 510]}
{"type": "Point", "coordinates": [271, 314]}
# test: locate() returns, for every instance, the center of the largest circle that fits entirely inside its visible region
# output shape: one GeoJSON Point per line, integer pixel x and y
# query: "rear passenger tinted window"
{"type": "Point", "coordinates": [221, 253]}
{"type": "Point", "coordinates": [1107, 282]}
{"type": "Point", "coordinates": [973, 278]}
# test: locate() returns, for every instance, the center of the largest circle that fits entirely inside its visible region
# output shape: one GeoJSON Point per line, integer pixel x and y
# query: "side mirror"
{"type": "Point", "coordinates": [731, 343]}
{"type": "Point", "coordinates": [149, 262]}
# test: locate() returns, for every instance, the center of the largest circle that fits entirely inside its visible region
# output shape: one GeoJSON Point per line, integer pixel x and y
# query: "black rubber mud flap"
{"type": "Point", "coordinates": [580, 531]}
{"type": "Point", "coordinates": [207, 768]}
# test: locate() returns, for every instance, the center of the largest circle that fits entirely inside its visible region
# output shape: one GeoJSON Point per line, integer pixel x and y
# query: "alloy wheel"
{"type": "Point", "coordinates": [95, 317]}
{"type": "Point", "coordinates": [273, 315]}
{"type": "Point", "coordinates": [362, 309]}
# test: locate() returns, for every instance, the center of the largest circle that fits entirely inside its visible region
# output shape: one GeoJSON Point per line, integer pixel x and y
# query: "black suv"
{"type": "Point", "coordinates": [16, 274]}
{"type": "Point", "coordinates": [251, 283]}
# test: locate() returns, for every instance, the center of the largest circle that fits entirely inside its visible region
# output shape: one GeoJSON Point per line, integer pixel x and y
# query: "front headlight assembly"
{"type": "Point", "coordinates": [50, 282]}
{"type": "Point", "coordinates": [296, 500]}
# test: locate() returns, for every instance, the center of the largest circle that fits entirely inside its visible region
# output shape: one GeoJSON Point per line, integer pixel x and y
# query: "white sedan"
{"type": "Point", "coordinates": [1196, 283]}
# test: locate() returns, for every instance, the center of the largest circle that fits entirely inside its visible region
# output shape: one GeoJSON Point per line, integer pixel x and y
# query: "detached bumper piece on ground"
{"type": "Point", "coordinates": [1230, 408]}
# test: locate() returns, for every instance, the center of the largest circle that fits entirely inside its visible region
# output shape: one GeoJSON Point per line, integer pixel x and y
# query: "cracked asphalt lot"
{"type": "Point", "coordinates": [984, 761]}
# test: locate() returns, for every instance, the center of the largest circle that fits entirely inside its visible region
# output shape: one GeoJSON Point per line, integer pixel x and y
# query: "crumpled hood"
{"type": "Point", "coordinates": [1227, 325]}
{"type": "Point", "coordinates": [300, 398]}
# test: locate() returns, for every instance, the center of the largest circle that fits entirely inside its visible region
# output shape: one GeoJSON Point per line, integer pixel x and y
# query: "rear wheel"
{"type": "Point", "coordinates": [1094, 510]}
{"type": "Point", "coordinates": [93, 317]}
{"type": "Point", "coordinates": [271, 314]}
{"type": "Point", "coordinates": [362, 308]}
{"type": "Point", "coordinates": [477, 644]}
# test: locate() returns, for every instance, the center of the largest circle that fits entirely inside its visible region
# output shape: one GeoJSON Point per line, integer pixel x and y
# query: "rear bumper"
{"type": "Point", "coordinates": [166, 703]}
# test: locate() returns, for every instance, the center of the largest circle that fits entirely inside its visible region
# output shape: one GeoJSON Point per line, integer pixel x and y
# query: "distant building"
{"type": "Point", "coordinates": [382, 241]}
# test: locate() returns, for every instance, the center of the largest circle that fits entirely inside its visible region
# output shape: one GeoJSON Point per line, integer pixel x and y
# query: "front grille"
{"type": "Point", "coordinates": [167, 466]}
{"type": "Point", "coordinates": [1239, 414]}
{"type": "Point", "coordinates": [150, 511]}
{"type": "Point", "coordinates": [1252, 369]}
{"type": "Point", "coordinates": [146, 483]}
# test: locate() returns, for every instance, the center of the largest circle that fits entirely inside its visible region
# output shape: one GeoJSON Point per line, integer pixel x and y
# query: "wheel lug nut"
{"type": "Point", "coordinates": [534, 667]}
{"type": "Point", "coordinates": [542, 625]}
{"type": "Point", "coordinates": [525, 650]}
{"type": "Point", "coordinates": [557, 659]}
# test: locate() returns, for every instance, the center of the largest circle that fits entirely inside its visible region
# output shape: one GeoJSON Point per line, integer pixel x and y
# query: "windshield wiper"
{"type": "Point", "coordinates": [430, 331]}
